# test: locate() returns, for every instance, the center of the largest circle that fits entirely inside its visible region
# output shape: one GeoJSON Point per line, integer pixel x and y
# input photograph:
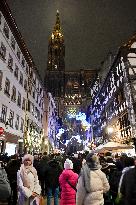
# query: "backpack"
{"type": "Point", "coordinates": [5, 190]}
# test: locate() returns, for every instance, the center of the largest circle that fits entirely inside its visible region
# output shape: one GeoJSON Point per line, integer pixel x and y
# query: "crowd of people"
{"type": "Point", "coordinates": [77, 179]}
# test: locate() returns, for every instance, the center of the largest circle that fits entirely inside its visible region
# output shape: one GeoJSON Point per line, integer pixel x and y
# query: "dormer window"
{"type": "Point", "coordinates": [6, 30]}
{"type": "Point", "coordinates": [23, 62]}
{"type": "Point", "coordinates": [25, 85]}
{"type": "Point", "coordinates": [18, 54]}
{"type": "Point", "coordinates": [10, 62]}
{"type": "Point", "coordinates": [16, 71]}
{"type": "Point", "coordinates": [27, 69]}
{"type": "Point", "coordinates": [3, 51]}
{"type": "Point", "coordinates": [12, 43]}
{"type": "Point", "coordinates": [21, 78]}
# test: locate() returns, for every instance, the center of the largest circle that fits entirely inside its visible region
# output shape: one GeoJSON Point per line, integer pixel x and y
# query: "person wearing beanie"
{"type": "Point", "coordinates": [92, 183]}
{"type": "Point", "coordinates": [28, 183]}
{"type": "Point", "coordinates": [68, 180]}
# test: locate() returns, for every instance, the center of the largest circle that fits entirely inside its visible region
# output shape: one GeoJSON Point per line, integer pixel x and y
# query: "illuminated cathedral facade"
{"type": "Point", "coordinates": [69, 88]}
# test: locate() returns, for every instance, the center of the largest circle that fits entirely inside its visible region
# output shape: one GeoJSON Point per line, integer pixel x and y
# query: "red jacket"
{"type": "Point", "coordinates": [68, 194]}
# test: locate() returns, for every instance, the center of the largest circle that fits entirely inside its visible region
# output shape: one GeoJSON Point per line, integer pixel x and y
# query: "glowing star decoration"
{"type": "Point", "coordinates": [82, 118]}
{"type": "Point", "coordinates": [71, 112]}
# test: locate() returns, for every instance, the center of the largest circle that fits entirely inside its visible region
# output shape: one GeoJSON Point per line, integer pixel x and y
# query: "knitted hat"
{"type": "Point", "coordinates": [68, 164]}
{"type": "Point", "coordinates": [92, 161]}
{"type": "Point", "coordinates": [27, 156]}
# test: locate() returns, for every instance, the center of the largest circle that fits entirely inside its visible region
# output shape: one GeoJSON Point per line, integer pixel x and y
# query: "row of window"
{"type": "Point", "coordinates": [26, 105]}
{"type": "Point", "coordinates": [27, 86]}
{"type": "Point", "coordinates": [18, 53]}
{"type": "Point", "coordinates": [6, 32]}
{"type": "Point", "coordinates": [13, 121]}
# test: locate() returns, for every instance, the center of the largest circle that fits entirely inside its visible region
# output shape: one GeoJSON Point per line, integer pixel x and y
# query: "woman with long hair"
{"type": "Point", "coordinates": [92, 183]}
{"type": "Point", "coordinates": [28, 183]}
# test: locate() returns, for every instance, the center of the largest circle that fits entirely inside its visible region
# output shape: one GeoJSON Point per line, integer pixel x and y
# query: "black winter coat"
{"type": "Point", "coordinates": [52, 174]}
{"type": "Point", "coordinates": [128, 187]}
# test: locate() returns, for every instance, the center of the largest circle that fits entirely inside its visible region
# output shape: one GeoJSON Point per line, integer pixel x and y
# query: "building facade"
{"type": "Point", "coordinates": [70, 89]}
{"type": "Point", "coordinates": [21, 90]}
{"type": "Point", "coordinates": [113, 105]}
{"type": "Point", "coordinates": [50, 125]}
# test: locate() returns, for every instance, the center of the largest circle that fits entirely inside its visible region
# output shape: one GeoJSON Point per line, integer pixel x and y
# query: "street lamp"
{"type": "Point", "coordinates": [110, 130]}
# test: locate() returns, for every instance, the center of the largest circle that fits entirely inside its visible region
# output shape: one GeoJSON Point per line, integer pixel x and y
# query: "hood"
{"type": "Point", "coordinates": [126, 169]}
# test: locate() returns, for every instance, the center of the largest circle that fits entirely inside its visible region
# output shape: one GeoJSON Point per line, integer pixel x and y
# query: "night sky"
{"type": "Point", "coordinates": [91, 28]}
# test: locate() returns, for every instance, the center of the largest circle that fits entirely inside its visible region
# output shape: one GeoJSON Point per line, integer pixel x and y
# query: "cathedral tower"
{"type": "Point", "coordinates": [54, 80]}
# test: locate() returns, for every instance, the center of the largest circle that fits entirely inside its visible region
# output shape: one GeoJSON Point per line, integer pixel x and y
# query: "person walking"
{"type": "Point", "coordinates": [5, 189]}
{"type": "Point", "coordinates": [128, 187]}
{"type": "Point", "coordinates": [28, 183]}
{"type": "Point", "coordinates": [92, 183]}
{"type": "Point", "coordinates": [68, 180]}
{"type": "Point", "coordinates": [52, 174]}
{"type": "Point", "coordinates": [12, 168]}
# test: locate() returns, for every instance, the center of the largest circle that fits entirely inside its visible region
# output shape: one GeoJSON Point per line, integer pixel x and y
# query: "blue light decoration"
{"type": "Point", "coordinates": [82, 117]}
{"type": "Point", "coordinates": [61, 131]}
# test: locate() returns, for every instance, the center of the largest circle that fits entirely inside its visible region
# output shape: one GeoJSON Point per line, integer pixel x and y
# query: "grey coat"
{"type": "Point", "coordinates": [5, 190]}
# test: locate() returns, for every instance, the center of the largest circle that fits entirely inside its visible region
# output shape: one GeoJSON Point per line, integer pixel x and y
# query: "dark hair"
{"type": "Point", "coordinates": [129, 161]}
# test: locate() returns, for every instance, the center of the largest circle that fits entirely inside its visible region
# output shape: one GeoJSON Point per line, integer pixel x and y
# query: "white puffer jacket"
{"type": "Point", "coordinates": [98, 185]}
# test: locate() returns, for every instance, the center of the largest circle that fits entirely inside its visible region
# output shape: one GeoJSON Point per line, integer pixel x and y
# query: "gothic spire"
{"type": "Point", "coordinates": [57, 24]}
{"type": "Point", "coordinates": [56, 48]}
{"type": "Point", "coordinates": [57, 33]}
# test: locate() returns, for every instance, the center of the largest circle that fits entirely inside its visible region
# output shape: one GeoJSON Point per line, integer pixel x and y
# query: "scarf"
{"type": "Point", "coordinates": [85, 173]}
{"type": "Point", "coordinates": [24, 171]}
